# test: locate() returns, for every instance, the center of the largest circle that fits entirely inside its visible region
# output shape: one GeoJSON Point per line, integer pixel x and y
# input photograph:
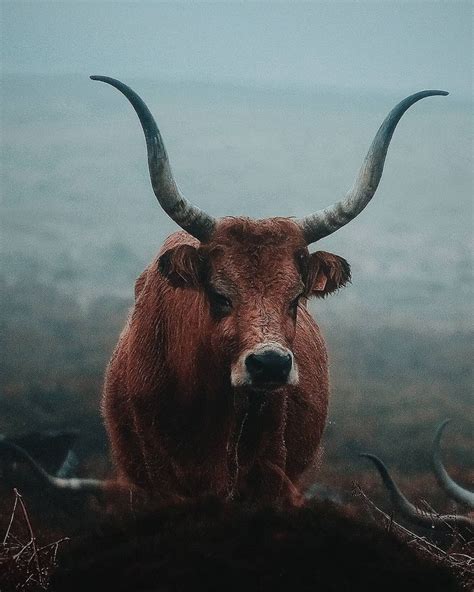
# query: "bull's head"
{"type": "Point", "coordinates": [257, 274]}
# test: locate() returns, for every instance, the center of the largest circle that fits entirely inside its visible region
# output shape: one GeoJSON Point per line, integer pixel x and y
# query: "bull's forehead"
{"type": "Point", "coordinates": [256, 255]}
{"type": "Point", "coordinates": [246, 233]}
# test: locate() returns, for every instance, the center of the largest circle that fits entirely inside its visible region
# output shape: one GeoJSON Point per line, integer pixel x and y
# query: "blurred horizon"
{"type": "Point", "coordinates": [72, 148]}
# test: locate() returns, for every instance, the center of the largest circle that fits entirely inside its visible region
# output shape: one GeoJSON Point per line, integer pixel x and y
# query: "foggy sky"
{"type": "Point", "coordinates": [385, 46]}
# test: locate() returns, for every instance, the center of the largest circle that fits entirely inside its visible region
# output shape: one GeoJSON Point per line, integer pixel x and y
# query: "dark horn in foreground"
{"type": "Point", "coordinates": [452, 489]}
{"type": "Point", "coordinates": [413, 514]}
{"type": "Point", "coordinates": [325, 222]}
{"type": "Point", "coordinates": [189, 217]}
{"type": "Point", "coordinates": [74, 485]}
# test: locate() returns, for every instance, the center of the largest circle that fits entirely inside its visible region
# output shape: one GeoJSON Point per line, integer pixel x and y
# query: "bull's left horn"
{"type": "Point", "coordinates": [325, 222]}
{"type": "Point", "coordinates": [413, 514]}
{"type": "Point", "coordinates": [453, 490]}
{"type": "Point", "coordinates": [178, 208]}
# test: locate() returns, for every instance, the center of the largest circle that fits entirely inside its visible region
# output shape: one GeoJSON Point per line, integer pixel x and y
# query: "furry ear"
{"type": "Point", "coordinates": [326, 273]}
{"type": "Point", "coordinates": [182, 266]}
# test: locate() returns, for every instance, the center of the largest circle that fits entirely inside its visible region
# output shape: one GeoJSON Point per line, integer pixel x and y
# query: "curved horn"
{"type": "Point", "coordinates": [453, 490]}
{"type": "Point", "coordinates": [87, 486]}
{"type": "Point", "coordinates": [410, 512]}
{"type": "Point", "coordinates": [325, 222]}
{"type": "Point", "coordinates": [178, 208]}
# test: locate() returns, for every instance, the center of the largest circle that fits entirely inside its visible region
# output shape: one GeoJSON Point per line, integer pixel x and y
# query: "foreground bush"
{"type": "Point", "coordinates": [210, 545]}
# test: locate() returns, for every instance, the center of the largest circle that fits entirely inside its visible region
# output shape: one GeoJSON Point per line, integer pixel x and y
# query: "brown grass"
{"type": "Point", "coordinates": [25, 565]}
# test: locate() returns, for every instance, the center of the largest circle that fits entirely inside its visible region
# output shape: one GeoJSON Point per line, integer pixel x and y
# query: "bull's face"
{"type": "Point", "coordinates": [256, 277]}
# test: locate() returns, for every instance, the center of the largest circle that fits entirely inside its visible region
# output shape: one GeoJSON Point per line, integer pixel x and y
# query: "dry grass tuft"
{"type": "Point", "coordinates": [25, 566]}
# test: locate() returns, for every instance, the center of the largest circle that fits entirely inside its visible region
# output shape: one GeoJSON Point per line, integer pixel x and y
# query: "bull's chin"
{"type": "Point", "coordinates": [265, 387]}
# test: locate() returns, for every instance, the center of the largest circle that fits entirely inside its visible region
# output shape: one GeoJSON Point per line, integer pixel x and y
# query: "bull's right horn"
{"type": "Point", "coordinates": [413, 514]}
{"type": "Point", "coordinates": [178, 208]}
{"type": "Point", "coordinates": [325, 222]}
{"type": "Point", "coordinates": [452, 489]}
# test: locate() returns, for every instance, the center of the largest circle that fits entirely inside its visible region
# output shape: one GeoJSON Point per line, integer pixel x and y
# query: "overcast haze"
{"type": "Point", "coordinates": [225, 81]}
{"type": "Point", "coordinates": [387, 46]}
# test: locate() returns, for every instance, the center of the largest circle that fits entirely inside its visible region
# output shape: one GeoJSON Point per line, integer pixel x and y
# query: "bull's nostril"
{"type": "Point", "coordinates": [253, 363]}
{"type": "Point", "coordinates": [269, 366]}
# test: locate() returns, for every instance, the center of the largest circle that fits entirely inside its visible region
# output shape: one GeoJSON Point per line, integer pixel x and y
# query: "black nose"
{"type": "Point", "coordinates": [269, 367]}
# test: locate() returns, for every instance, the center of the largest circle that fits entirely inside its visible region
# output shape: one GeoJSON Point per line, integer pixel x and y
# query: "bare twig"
{"type": "Point", "coordinates": [53, 544]}
{"type": "Point", "coordinates": [12, 517]}
{"type": "Point", "coordinates": [22, 550]}
{"type": "Point", "coordinates": [32, 536]}
{"type": "Point", "coordinates": [24, 565]}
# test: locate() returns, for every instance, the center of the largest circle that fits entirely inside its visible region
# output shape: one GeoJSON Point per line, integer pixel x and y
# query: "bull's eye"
{"type": "Point", "coordinates": [220, 302]}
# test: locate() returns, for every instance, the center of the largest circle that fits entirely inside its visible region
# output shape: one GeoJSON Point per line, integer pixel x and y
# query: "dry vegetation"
{"type": "Point", "coordinates": [27, 563]}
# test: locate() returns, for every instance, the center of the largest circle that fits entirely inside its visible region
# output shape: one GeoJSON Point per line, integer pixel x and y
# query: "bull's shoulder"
{"type": "Point", "coordinates": [140, 283]}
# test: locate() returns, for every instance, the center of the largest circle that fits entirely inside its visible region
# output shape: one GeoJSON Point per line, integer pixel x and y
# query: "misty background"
{"type": "Point", "coordinates": [266, 109]}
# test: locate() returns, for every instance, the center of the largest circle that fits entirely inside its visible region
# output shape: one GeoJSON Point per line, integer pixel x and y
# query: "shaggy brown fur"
{"type": "Point", "coordinates": [212, 546]}
{"type": "Point", "coordinates": [177, 426]}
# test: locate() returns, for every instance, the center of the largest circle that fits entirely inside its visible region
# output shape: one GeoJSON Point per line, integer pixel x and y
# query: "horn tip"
{"type": "Point", "coordinates": [366, 455]}
{"type": "Point", "coordinates": [440, 429]}
{"type": "Point", "coordinates": [442, 93]}
{"type": "Point", "coordinates": [378, 462]}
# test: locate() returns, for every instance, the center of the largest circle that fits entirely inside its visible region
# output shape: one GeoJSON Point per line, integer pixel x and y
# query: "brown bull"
{"type": "Point", "coordinates": [219, 382]}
